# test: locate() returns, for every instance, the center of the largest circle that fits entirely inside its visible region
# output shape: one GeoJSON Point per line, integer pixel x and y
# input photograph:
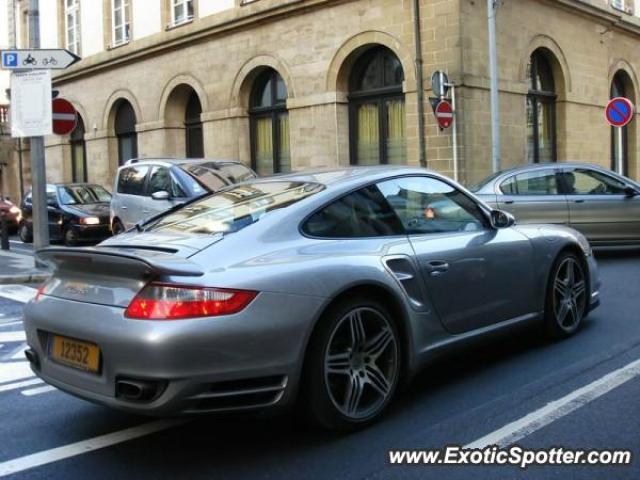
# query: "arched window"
{"type": "Point", "coordinates": [78, 152]}
{"type": "Point", "coordinates": [377, 109]}
{"type": "Point", "coordinates": [270, 144]}
{"type": "Point", "coordinates": [541, 110]}
{"type": "Point", "coordinates": [125, 127]}
{"type": "Point", "coordinates": [193, 127]}
{"type": "Point", "coordinates": [620, 136]}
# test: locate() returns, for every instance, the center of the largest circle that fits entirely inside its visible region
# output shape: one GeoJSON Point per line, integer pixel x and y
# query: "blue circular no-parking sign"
{"type": "Point", "coordinates": [619, 111]}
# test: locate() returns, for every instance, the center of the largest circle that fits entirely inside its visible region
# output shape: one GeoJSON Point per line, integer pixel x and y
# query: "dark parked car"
{"type": "Point", "coordinates": [599, 203]}
{"type": "Point", "coordinates": [11, 213]}
{"type": "Point", "coordinates": [147, 187]}
{"type": "Point", "coordinates": [78, 212]}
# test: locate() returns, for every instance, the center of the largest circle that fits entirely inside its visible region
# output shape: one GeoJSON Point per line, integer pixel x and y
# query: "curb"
{"type": "Point", "coordinates": [31, 277]}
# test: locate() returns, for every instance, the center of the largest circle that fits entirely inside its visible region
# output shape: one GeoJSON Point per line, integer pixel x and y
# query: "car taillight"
{"type": "Point", "coordinates": [159, 301]}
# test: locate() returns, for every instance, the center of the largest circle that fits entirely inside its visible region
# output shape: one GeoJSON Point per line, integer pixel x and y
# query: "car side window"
{"type": "Point", "coordinates": [52, 199]}
{"type": "Point", "coordinates": [159, 181]}
{"type": "Point", "coordinates": [591, 182]}
{"type": "Point", "coordinates": [428, 205]}
{"type": "Point", "coordinates": [360, 214]}
{"type": "Point", "coordinates": [131, 180]}
{"type": "Point", "coordinates": [531, 183]}
{"type": "Point", "coordinates": [27, 200]}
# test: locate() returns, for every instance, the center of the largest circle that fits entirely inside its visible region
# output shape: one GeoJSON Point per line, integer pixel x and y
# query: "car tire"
{"type": "Point", "coordinates": [567, 297]}
{"type": "Point", "coordinates": [353, 365]}
{"type": "Point", "coordinates": [70, 237]}
{"type": "Point", "coordinates": [26, 236]}
{"type": "Point", "coordinates": [117, 227]}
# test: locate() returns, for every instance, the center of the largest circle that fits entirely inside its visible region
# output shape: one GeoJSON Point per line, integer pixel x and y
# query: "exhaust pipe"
{"type": "Point", "coordinates": [136, 390]}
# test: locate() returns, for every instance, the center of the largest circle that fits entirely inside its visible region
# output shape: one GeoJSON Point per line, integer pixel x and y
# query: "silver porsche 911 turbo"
{"type": "Point", "coordinates": [330, 287]}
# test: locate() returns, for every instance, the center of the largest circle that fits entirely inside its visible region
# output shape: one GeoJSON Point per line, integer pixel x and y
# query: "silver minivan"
{"type": "Point", "coordinates": [147, 187]}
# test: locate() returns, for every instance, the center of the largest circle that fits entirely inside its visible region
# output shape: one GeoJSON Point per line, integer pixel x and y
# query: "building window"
{"type": "Point", "coordinates": [193, 127]}
{"type": "Point", "coordinates": [120, 22]}
{"type": "Point", "coordinates": [270, 124]}
{"type": "Point", "coordinates": [125, 128]}
{"type": "Point", "coordinates": [377, 109]}
{"type": "Point", "coordinates": [620, 135]}
{"type": "Point", "coordinates": [541, 110]}
{"type": "Point", "coordinates": [72, 25]}
{"type": "Point", "coordinates": [181, 11]}
{"type": "Point", "coordinates": [78, 153]}
{"type": "Point", "coordinates": [625, 6]}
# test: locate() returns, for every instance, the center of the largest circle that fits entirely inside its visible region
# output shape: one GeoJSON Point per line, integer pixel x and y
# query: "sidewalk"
{"type": "Point", "coordinates": [20, 268]}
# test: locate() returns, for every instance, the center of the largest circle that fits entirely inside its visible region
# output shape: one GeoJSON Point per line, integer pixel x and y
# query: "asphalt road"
{"type": "Point", "coordinates": [457, 400]}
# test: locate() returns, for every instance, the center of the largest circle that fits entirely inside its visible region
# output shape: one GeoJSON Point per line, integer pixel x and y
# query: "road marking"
{"type": "Point", "coordinates": [37, 391]}
{"type": "Point", "coordinates": [2, 325]}
{"type": "Point", "coordinates": [18, 353]}
{"type": "Point", "coordinates": [18, 336]}
{"type": "Point", "coordinates": [12, 371]}
{"type": "Point", "coordinates": [49, 456]}
{"type": "Point", "coordinates": [18, 293]}
{"type": "Point", "coordinates": [514, 431]}
{"type": "Point", "coordinates": [17, 385]}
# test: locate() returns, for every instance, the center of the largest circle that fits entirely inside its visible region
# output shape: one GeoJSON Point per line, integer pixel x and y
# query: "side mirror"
{"type": "Point", "coordinates": [161, 195]}
{"type": "Point", "coordinates": [630, 192]}
{"type": "Point", "coordinates": [500, 219]}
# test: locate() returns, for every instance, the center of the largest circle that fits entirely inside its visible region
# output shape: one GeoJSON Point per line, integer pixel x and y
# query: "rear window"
{"type": "Point", "coordinates": [234, 208]}
{"type": "Point", "coordinates": [215, 175]}
{"type": "Point", "coordinates": [131, 180]}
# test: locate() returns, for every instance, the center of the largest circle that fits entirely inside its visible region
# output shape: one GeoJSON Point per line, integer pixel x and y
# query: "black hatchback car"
{"type": "Point", "coordinates": [77, 212]}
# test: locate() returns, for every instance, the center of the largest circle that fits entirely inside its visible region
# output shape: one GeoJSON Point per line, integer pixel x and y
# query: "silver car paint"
{"type": "Point", "coordinates": [603, 219]}
{"type": "Point", "coordinates": [298, 278]}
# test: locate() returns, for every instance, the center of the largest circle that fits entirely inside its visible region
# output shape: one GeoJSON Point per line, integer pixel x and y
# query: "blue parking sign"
{"type": "Point", "coordinates": [9, 59]}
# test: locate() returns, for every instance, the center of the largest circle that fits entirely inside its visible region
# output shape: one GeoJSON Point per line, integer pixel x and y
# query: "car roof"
{"type": "Point", "coordinates": [346, 175]}
{"type": "Point", "coordinates": [542, 166]}
{"type": "Point", "coordinates": [169, 161]}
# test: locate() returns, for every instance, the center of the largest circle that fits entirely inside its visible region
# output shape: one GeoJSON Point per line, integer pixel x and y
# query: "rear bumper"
{"type": "Point", "coordinates": [244, 361]}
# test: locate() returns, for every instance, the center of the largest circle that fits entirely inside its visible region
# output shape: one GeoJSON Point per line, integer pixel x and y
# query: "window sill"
{"type": "Point", "coordinates": [171, 26]}
{"type": "Point", "coordinates": [113, 46]}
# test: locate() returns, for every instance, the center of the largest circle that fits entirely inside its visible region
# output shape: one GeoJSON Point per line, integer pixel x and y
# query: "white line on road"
{"type": "Point", "coordinates": [10, 323]}
{"type": "Point", "coordinates": [37, 391]}
{"type": "Point", "coordinates": [18, 293]}
{"type": "Point", "coordinates": [557, 409]}
{"type": "Point", "coordinates": [17, 385]}
{"type": "Point", "coordinates": [18, 336]}
{"type": "Point", "coordinates": [13, 371]}
{"type": "Point", "coordinates": [49, 456]}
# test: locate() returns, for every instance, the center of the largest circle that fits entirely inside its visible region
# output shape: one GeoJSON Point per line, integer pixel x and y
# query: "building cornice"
{"type": "Point", "coordinates": [199, 31]}
{"type": "Point", "coordinates": [601, 10]}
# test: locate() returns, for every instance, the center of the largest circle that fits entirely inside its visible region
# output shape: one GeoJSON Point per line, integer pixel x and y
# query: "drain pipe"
{"type": "Point", "coordinates": [420, 81]}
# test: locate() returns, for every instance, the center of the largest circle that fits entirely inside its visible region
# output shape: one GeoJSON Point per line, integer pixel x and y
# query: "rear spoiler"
{"type": "Point", "coordinates": [113, 261]}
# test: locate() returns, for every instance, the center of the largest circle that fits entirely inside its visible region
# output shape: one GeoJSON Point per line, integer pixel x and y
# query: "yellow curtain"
{"type": "Point", "coordinates": [397, 131]}
{"type": "Point", "coordinates": [285, 146]}
{"type": "Point", "coordinates": [368, 135]}
{"type": "Point", "coordinates": [264, 146]}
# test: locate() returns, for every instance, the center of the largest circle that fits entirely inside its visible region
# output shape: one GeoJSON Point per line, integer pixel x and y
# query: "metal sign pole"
{"type": "Point", "coordinates": [38, 171]}
{"type": "Point", "coordinates": [493, 75]}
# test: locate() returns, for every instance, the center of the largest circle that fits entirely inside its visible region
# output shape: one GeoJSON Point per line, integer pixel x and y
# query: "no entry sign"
{"type": "Point", "coordinates": [619, 111]}
{"type": "Point", "coordinates": [64, 117]}
{"type": "Point", "coordinates": [444, 114]}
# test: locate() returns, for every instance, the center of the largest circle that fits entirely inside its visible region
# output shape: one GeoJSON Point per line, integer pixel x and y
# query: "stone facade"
{"type": "Point", "coordinates": [312, 44]}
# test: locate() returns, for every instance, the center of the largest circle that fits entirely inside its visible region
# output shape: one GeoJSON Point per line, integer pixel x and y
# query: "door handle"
{"type": "Point", "coordinates": [145, 211]}
{"type": "Point", "coordinates": [509, 202]}
{"type": "Point", "coordinates": [579, 201]}
{"type": "Point", "coordinates": [123, 207]}
{"type": "Point", "coordinates": [437, 267]}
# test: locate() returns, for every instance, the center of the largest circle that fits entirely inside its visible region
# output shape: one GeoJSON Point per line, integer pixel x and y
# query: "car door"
{"type": "Point", "coordinates": [54, 215]}
{"type": "Point", "coordinates": [599, 206]}
{"type": "Point", "coordinates": [534, 197]}
{"type": "Point", "coordinates": [131, 188]}
{"type": "Point", "coordinates": [475, 275]}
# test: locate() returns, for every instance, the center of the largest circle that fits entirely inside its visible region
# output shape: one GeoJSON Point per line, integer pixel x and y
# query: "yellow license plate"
{"type": "Point", "coordinates": [76, 353]}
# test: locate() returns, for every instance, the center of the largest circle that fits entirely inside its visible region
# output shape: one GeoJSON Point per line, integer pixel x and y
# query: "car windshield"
{"type": "Point", "coordinates": [234, 208]}
{"type": "Point", "coordinates": [216, 175]}
{"type": "Point", "coordinates": [83, 194]}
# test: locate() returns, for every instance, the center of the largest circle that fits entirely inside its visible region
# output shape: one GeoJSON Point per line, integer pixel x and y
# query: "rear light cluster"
{"type": "Point", "coordinates": [158, 301]}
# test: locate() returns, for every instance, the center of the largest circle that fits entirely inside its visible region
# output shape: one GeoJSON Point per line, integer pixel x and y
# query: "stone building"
{"type": "Point", "coordinates": [298, 84]}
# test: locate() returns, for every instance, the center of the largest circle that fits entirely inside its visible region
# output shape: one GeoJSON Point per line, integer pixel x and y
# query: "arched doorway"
{"type": "Point", "coordinates": [194, 143]}
{"type": "Point", "coordinates": [125, 129]}
{"type": "Point", "coordinates": [377, 119]}
{"type": "Point", "coordinates": [621, 86]}
{"type": "Point", "coordinates": [78, 152]}
{"type": "Point", "coordinates": [541, 109]}
{"type": "Point", "coordinates": [270, 144]}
